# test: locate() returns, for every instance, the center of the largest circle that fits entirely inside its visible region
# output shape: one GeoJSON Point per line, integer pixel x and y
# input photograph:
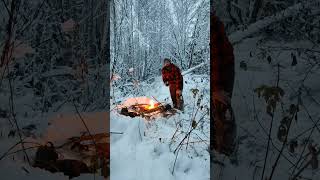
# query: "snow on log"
{"type": "Point", "coordinates": [195, 67]}
{"type": "Point", "coordinates": [237, 36]}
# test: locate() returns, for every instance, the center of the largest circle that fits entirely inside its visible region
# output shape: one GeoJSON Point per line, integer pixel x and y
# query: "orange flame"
{"type": "Point", "coordinates": [151, 106]}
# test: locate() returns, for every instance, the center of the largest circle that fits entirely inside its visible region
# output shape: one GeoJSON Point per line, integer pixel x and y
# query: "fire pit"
{"type": "Point", "coordinates": [146, 108]}
{"type": "Point", "coordinates": [74, 148]}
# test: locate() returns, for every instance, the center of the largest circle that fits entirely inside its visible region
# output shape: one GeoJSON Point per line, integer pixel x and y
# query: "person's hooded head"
{"type": "Point", "coordinates": [166, 61]}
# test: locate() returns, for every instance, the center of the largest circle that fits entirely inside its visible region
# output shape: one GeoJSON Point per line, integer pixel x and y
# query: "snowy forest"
{"type": "Point", "coordinates": [145, 32]}
{"type": "Point", "coordinates": [64, 64]}
{"type": "Point", "coordinates": [149, 138]}
{"type": "Point", "coordinates": [276, 91]}
{"type": "Point", "coordinates": [54, 59]}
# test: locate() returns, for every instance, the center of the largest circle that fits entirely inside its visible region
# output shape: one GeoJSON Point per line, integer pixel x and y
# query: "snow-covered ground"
{"type": "Point", "coordinates": [14, 167]}
{"type": "Point", "coordinates": [15, 171]}
{"type": "Point", "coordinates": [145, 150]}
{"type": "Point", "coordinates": [48, 127]}
{"type": "Point", "coordinates": [251, 117]}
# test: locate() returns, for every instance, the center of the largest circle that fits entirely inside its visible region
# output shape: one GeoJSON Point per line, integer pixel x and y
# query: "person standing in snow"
{"type": "Point", "coordinates": [172, 77]}
{"type": "Point", "coordinates": [221, 84]}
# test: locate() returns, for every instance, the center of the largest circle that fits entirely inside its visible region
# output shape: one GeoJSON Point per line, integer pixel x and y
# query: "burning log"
{"type": "Point", "coordinates": [147, 110]}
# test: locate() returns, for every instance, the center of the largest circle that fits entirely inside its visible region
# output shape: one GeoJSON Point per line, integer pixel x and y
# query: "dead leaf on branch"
{"type": "Point", "coordinates": [269, 59]}
{"type": "Point", "coordinates": [199, 100]}
{"type": "Point", "coordinates": [286, 122]}
{"type": "Point", "coordinates": [314, 157]}
{"type": "Point", "coordinates": [271, 95]}
{"type": "Point", "coordinates": [293, 144]}
{"type": "Point", "coordinates": [194, 124]}
{"type": "Point", "coordinates": [194, 92]}
{"type": "Point", "coordinates": [294, 60]}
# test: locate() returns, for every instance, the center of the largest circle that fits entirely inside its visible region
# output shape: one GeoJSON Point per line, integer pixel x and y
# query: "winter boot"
{"type": "Point", "coordinates": [180, 102]}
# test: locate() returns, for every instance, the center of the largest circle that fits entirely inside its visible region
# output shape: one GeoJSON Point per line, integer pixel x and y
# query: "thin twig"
{"type": "Point", "coordinates": [303, 168]}
{"type": "Point", "coordinates": [6, 6]}
{"type": "Point", "coordinates": [174, 164]}
{"type": "Point", "coordinates": [84, 123]}
{"type": "Point", "coordinates": [283, 146]}
{"type": "Point", "coordinates": [15, 120]}
{"type": "Point", "coordinates": [305, 146]}
{"type": "Point", "coordinates": [270, 128]}
{"type": "Point", "coordinates": [268, 145]}
{"type": "Point", "coordinates": [12, 147]}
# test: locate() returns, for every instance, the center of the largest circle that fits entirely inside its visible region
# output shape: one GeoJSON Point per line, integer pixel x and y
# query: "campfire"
{"type": "Point", "coordinates": [84, 155]}
{"type": "Point", "coordinates": [151, 105]}
{"type": "Point", "coordinates": [145, 107]}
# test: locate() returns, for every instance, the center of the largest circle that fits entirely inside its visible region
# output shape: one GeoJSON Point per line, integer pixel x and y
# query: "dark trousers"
{"type": "Point", "coordinates": [176, 97]}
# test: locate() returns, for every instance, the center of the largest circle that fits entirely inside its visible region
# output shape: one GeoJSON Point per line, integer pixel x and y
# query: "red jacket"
{"type": "Point", "coordinates": [171, 74]}
{"type": "Point", "coordinates": [221, 80]}
{"type": "Point", "coordinates": [221, 57]}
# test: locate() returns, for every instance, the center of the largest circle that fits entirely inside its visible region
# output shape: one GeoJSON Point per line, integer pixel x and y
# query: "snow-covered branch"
{"type": "Point", "coordinates": [238, 36]}
{"type": "Point", "coordinates": [195, 67]}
